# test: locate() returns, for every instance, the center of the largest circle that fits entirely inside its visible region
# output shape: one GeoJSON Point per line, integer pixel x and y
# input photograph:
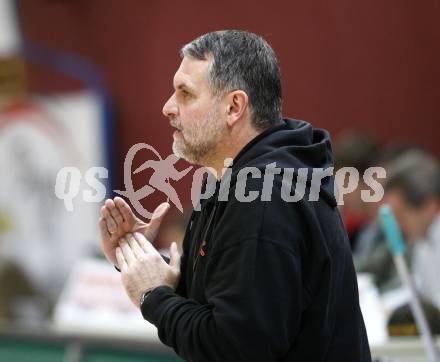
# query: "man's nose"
{"type": "Point", "coordinates": [170, 108]}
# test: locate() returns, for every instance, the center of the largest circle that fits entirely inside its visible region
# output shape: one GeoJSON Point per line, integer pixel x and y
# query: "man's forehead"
{"type": "Point", "coordinates": [192, 72]}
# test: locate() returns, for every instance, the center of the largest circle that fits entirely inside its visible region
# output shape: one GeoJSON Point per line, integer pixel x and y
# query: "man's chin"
{"type": "Point", "coordinates": [179, 151]}
{"type": "Point", "coordinates": [191, 154]}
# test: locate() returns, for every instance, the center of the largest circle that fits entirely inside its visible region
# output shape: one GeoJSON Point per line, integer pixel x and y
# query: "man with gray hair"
{"type": "Point", "coordinates": [261, 278]}
{"type": "Point", "coordinates": [412, 189]}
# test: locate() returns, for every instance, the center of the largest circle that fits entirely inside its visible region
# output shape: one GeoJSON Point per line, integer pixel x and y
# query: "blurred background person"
{"type": "Point", "coordinates": [412, 189]}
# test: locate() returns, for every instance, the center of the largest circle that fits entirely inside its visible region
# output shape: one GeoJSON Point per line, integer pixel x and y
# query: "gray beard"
{"type": "Point", "coordinates": [193, 154]}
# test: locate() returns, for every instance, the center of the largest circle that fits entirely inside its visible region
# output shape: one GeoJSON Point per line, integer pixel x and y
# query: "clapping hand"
{"type": "Point", "coordinates": [117, 220]}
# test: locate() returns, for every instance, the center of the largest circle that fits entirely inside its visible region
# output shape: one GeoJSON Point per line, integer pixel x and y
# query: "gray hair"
{"type": "Point", "coordinates": [245, 61]}
{"type": "Point", "coordinates": [417, 174]}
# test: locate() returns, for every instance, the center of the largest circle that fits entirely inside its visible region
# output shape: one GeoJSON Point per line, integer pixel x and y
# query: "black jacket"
{"type": "Point", "coordinates": [266, 280]}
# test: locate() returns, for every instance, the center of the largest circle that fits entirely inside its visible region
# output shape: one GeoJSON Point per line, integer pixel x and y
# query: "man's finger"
{"type": "Point", "coordinates": [158, 215]}
{"type": "Point", "coordinates": [124, 210]}
{"type": "Point", "coordinates": [103, 229]}
{"type": "Point", "coordinates": [174, 257]}
{"type": "Point", "coordinates": [127, 252]}
{"type": "Point", "coordinates": [114, 211]}
{"type": "Point", "coordinates": [111, 224]}
{"type": "Point", "coordinates": [134, 245]}
{"type": "Point", "coordinates": [146, 246]}
{"type": "Point", "coordinates": [104, 215]}
{"type": "Point", "coordinates": [122, 264]}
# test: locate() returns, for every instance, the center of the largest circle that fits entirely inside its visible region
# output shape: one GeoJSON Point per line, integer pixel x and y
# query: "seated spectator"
{"type": "Point", "coordinates": [412, 189]}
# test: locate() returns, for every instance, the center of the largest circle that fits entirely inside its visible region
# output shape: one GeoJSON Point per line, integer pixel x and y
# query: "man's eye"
{"type": "Point", "coordinates": [185, 93]}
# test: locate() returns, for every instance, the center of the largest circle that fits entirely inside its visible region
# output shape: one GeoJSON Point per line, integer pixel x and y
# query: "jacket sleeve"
{"type": "Point", "coordinates": [254, 293]}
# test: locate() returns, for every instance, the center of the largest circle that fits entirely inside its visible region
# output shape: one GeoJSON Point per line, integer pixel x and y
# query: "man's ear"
{"type": "Point", "coordinates": [236, 105]}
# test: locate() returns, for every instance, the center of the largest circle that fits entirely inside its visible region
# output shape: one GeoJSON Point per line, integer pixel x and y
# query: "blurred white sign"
{"type": "Point", "coordinates": [94, 302]}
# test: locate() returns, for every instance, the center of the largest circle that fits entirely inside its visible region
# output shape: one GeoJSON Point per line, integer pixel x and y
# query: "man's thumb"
{"type": "Point", "coordinates": [174, 256]}
{"type": "Point", "coordinates": [158, 215]}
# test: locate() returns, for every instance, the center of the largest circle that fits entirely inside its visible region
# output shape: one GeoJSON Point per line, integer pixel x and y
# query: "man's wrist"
{"type": "Point", "coordinates": [145, 295]}
{"type": "Point", "coordinates": [153, 305]}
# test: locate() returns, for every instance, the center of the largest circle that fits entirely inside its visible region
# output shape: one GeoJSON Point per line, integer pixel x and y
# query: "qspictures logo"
{"type": "Point", "coordinates": [296, 183]}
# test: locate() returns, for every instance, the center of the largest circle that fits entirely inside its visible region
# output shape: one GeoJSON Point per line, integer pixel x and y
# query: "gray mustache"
{"type": "Point", "coordinates": [175, 124]}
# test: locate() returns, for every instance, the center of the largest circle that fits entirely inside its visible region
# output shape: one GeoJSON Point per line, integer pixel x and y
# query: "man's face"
{"type": "Point", "coordinates": [195, 113]}
{"type": "Point", "coordinates": [413, 221]}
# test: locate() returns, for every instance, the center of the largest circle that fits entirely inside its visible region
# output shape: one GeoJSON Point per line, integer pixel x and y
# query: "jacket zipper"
{"type": "Point", "coordinates": [202, 242]}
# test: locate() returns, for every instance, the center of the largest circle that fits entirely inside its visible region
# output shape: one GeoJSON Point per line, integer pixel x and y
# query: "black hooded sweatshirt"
{"type": "Point", "coordinates": [266, 280]}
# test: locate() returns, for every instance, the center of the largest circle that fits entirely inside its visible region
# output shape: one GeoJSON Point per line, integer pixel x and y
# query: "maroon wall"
{"type": "Point", "coordinates": [372, 65]}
